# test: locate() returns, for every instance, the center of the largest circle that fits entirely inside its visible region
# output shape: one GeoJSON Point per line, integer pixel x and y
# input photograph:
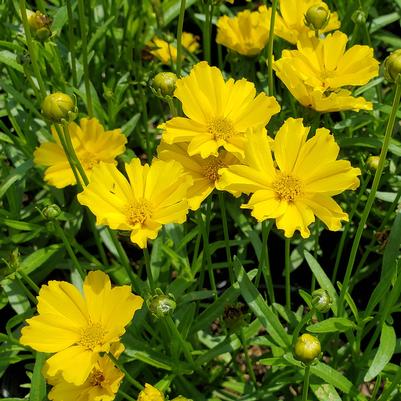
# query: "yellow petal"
{"type": "Point", "coordinates": [297, 217]}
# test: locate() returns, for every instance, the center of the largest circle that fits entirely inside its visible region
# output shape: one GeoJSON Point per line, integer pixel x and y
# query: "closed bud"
{"type": "Point", "coordinates": [317, 16]}
{"type": "Point", "coordinates": [39, 24]}
{"type": "Point", "coordinates": [164, 83]}
{"type": "Point", "coordinates": [51, 212]}
{"type": "Point", "coordinates": [373, 162]}
{"type": "Point", "coordinates": [359, 17]}
{"type": "Point", "coordinates": [162, 305]}
{"type": "Point", "coordinates": [58, 106]}
{"type": "Point", "coordinates": [392, 66]}
{"type": "Point", "coordinates": [307, 348]}
{"type": "Point", "coordinates": [321, 300]}
{"type": "Point", "coordinates": [150, 393]}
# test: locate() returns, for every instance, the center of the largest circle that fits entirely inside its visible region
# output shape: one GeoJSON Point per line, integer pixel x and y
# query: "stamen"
{"type": "Point", "coordinates": [221, 128]}
{"type": "Point", "coordinates": [92, 336]}
{"type": "Point", "coordinates": [287, 187]}
{"type": "Point", "coordinates": [138, 212]}
{"type": "Point", "coordinates": [211, 167]}
{"type": "Point", "coordinates": [96, 378]}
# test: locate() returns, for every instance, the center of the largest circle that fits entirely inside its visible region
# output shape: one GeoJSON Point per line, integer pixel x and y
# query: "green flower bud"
{"type": "Point", "coordinates": [51, 212]}
{"type": "Point", "coordinates": [373, 162]}
{"type": "Point", "coordinates": [164, 83]}
{"type": "Point", "coordinates": [392, 66]}
{"type": "Point", "coordinates": [317, 16]}
{"type": "Point", "coordinates": [307, 348]}
{"type": "Point", "coordinates": [58, 106]}
{"type": "Point", "coordinates": [359, 17]}
{"type": "Point", "coordinates": [161, 305]}
{"type": "Point", "coordinates": [321, 300]}
{"type": "Point", "coordinates": [40, 25]}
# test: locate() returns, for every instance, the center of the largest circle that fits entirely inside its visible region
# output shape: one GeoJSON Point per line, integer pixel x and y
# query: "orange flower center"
{"type": "Point", "coordinates": [211, 168]}
{"type": "Point", "coordinates": [92, 336]}
{"type": "Point", "coordinates": [138, 212]}
{"type": "Point", "coordinates": [287, 187]}
{"type": "Point", "coordinates": [221, 129]}
{"type": "Point", "coordinates": [96, 378]}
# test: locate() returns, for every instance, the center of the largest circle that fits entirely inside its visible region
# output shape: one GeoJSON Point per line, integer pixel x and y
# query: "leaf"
{"type": "Point", "coordinates": [60, 18]}
{"type": "Point", "coordinates": [38, 384]}
{"type": "Point", "coordinates": [171, 9]}
{"type": "Point", "coordinates": [14, 176]}
{"type": "Point", "coordinates": [129, 126]}
{"type": "Point", "coordinates": [332, 325]}
{"type": "Point", "coordinates": [383, 20]}
{"type": "Point", "coordinates": [384, 352]}
{"type": "Point", "coordinates": [16, 297]}
{"type": "Point", "coordinates": [325, 392]}
{"type": "Point", "coordinates": [332, 376]}
{"type": "Point", "coordinates": [10, 59]}
{"type": "Point", "coordinates": [259, 307]}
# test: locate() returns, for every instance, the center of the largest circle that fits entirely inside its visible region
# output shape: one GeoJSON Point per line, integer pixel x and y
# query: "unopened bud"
{"type": "Point", "coordinates": [39, 24]}
{"type": "Point", "coordinates": [373, 162]}
{"type": "Point", "coordinates": [359, 17]}
{"type": "Point", "coordinates": [51, 212]}
{"type": "Point", "coordinates": [392, 66]}
{"type": "Point", "coordinates": [161, 305]}
{"type": "Point", "coordinates": [57, 107]}
{"type": "Point", "coordinates": [307, 348]}
{"type": "Point", "coordinates": [164, 83]}
{"type": "Point", "coordinates": [317, 16]}
{"type": "Point", "coordinates": [321, 300]}
{"type": "Point", "coordinates": [150, 393]}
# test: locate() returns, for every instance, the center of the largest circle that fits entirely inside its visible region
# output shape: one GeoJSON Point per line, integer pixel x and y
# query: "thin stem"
{"type": "Point", "coordinates": [32, 52]}
{"type": "Point", "coordinates": [247, 359]}
{"type": "Point", "coordinates": [148, 268]}
{"type": "Point", "coordinates": [71, 44]}
{"type": "Point", "coordinates": [305, 388]}
{"type": "Point", "coordinates": [226, 237]}
{"type": "Point", "coordinates": [270, 49]}
{"type": "Point", "coordinates": [29, 281]}
{"type": "Point", "coordinates": [179, 37]}
{"type": "Point", "coordinates": [207, 32]}
{"type": "Point", "coordinates": [265, 261]}
{"type": "Point", "coordinates": [176, 335]}
{"type": "Point", "coordinates": [26, 290]}
{"type": "Point", "coordinates": [84, 39]}
{"type": "Point", "coordinates": [287, 274]}
{"type": "Point", "coordinates": [371, 197]}
{"type": "Point", "coordinates": [129, 378]}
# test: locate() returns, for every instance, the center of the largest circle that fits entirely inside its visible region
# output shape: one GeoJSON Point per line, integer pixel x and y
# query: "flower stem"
{"type": "Point", "coordinates": [120, 366]}
{"type": "Point", "coordinates": [71, 44]}
{"type": "Point", "coordinates": [29, 281]}
{"type": "Point", "coordinates": [264, 260]}
{"type": "Point", "coordinates": [305, 388]}
{"type": "Point", "coordinates": [207, 31]}
{"type": "Point", "coordinates": [371, 197]}
{"type": "Point", "coordinates": [84, 39]}
{"type": "Point", "coordinates": [287, 274]}
{"type": "Point", "coordinates": [270, 49]}
{"type": "Point", "coordinates": [148, 268]}
{"type": "Point", "coordinates": [246, 355]}
{"type": "Point", "coordinates": [179, 37]}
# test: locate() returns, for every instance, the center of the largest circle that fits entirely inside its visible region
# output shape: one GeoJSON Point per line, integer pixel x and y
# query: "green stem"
{"type": "Point", "coordinates": [176, 335]}
{"type": "Point", "coordinates": [371, 197]}
{"type": "Point", "coordinates": [179, 37]}
{"type": "Point", "coordinates": [171, 105]}
{"type": "Point", "coordinates": [287, 274]}
{"type": "Point", "coordinates": [126, 396]}
{"type": "Point", "coordinates": [387, 393]}
{"type": "Point", "coordinates": [270, 49]}
{"type": "Point", "coordinates": [25, 289]}
{"type": "Point", "coordinates": [265, 260]}
{"type": "Point", "coordinates": [129, 378]}
{"type": "Point", "coordinates": [226, 237]}
{"type": "Point", "coordinates": [29, 281]}
{"type": "Point", "coordinates": [148, 269]}
{"type": "Point", "coordinates": [247, 359]}
{"type": "Point", "coordinates": [305, 388]}
{"type": "Point", "coordinates": [84, 39]}
{"type": "Point", "coordinates": [71, 44]}
{"type": "Point", "coordinates": [207, 31]}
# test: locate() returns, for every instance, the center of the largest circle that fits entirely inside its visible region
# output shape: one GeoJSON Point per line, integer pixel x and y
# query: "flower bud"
{"type": "Point", "coordinates": [40, 25]}
{"type": "Point", "coordinates": [392, 66]}
{"type": "Point", "coordinates": [181, 398]}
{"type": "Point", "coordinates": [373, 162]}
{"type": "Point", "coordinates": [359, 17]}
{"type": "Point", "coordinates": [307, 348]}
{"type": "Point", "coordinates": [150, 393]}
{"type": "Point", "coordinates": [317, 16]}
{"type": "Point", "coordinates": [51, 212]}
{"type": "Point", "coordinates": [321, 300]}
{"type": "Point", "coordinates": [161, 305]}
{"type": "Point", "coordinates": [57, 107]}
{"type": "Point", "coordinates": [164, 83]}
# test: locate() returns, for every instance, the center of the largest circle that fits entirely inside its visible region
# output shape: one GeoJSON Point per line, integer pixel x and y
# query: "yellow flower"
{"type": "Point", "coordinates": [102, 383]}
{"type": "Point", "coordinates": [315, 73]}
{"type": "Point", "coordinates": [299, 184]}
{"type": "Point", "coordinates": [247, 33]}
{"type": "Point", "coordinates": [150, 393]}
{"type": "Point", "coordinates": [204, 172]}
{"type": "Point", "coordinates": [153, 196]}
{"type": "Point", "coordinates": [291, 24]}
{"type": "Point", "coordinates": [78, 327]}
{"type": "Point", "coordinates": [218, 112]}
{"type": "Point", "coordinates": [92, 144]}
{"type": "Point", "coordinates": [167, 52]}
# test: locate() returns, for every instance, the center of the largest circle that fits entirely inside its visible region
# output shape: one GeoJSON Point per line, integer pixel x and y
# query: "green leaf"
{"type": "Point", "coordinates": [259, 307]}
{"type": "Point", "coordinates": [384, 352]}
{"type": "Point", "coordinates": [332, 376]}
{"type": "Point", "coordinates": [10, 59]}
{"type": "Point", "coordinates": [39, 257]}
{"type": "Point", "coordinates": [332, 325]}
{"type": "Point", "coordinates": [325, 392]}
{"type": "Point", "coordinates": [60, 18]}
{"type": "Point", "coordinates": [14, 176]}
{"type": "Point", "coordinates": [128, 128]}
{"type": "Point", "coordinates": [171, 9]}
{"type": "Point", "coordinates": [38, 383]}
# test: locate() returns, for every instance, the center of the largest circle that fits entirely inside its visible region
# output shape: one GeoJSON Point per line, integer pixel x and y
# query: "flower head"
{"type": "Point", "coordinates": [92, 144]}
{"type": "Point", "coordinates": [58, 106]}
{"type": "Point", "coordinates": [152, 196]}
{"type": "Point", "coordinates": [77, 326]}
{"type": "Point", "coordinates": [150, 393]}
{"type": "Point", "coordinates": [303, 183]}
{"type": "Point", "coordinates": [307, 348]}
{"type": "Point", "coordinates": [204, 172]}
{"type": "Point", "coordinates": [218, 112]}
{"type": "Point", "coordinates": [317, 71]}
{"type": "Point", "coordinates": [246, 33]}
{"type": "Point", "coordinates": [290, 25]}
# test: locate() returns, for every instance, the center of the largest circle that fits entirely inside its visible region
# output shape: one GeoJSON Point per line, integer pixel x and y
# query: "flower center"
{"type": "Point", "coordinates": [96, 378]}
{"type": "Point", "coordinates": [92, 336]}
{"type": "Point", "coordinates": [221, 128]}
{"type": "Point", "coordinates": [88, 161]}
{"type": "Point", "coordinates": [211, 167]}
{"type": "Point", "coordinates": [138, 212]}
{"type": "Point", "coordinates": [287, 187]}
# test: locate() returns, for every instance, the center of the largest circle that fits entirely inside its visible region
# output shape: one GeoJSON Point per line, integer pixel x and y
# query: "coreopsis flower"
{"type": "Point", "coordinates": [77, 326]}
{"type": "Point", "coordinates": [316, 72]}
{"type": "Point", "coordinates": [152, 196]}
{"type": "Point", "coordinates": [150, 393]}
{"type": "Point", "coordinates": [204, 172]}
{"type": "Point", "coordinates": [290, 25]}
{"type": "Point", "coordinates": [246, 33]}
{"type": "Point", "coordinates": [218, 113]}
{"type": "Point", "coordinates": [92, 144]}
{"type": "Point", "coordinates": [167, 52]}
{"type": "Point", "coordinates": [298, 184]}
{"type": "Point", "coordinates": [102, 383]}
